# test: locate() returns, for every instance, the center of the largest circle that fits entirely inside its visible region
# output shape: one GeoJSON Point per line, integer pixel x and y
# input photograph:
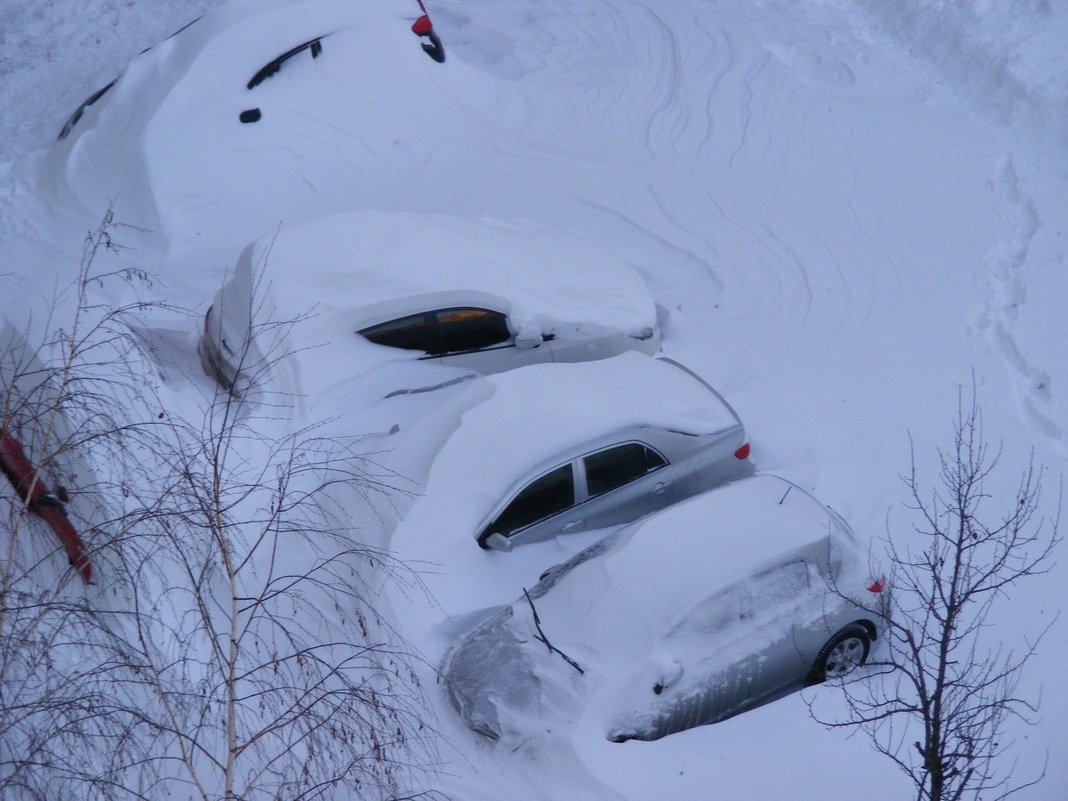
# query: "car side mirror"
{"type": "Point", "coordinates": [499, 542]}
{"type": "Point", "coordinates": [528, 337]}
{"type": "Point", "coordinates": [671, 673]}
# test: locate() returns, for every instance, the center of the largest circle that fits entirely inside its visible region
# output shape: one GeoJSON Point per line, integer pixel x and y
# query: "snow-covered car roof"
{"type": "Point", "coordinates": [359, 268]}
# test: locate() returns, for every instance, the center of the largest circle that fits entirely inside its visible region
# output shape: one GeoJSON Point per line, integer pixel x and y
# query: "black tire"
{"type": "Point", "coordinates": [842, 654]}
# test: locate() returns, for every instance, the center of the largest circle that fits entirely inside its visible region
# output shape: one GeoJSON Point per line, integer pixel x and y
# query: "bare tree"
{"type": "Point", "coordinates": [230, 645]}
{"type": "Point", "coordinates": [59, 402]}
{"type": "Point", "coordinates": [261, 665]}
{"type": "Point", "coordinates": [942, 695]}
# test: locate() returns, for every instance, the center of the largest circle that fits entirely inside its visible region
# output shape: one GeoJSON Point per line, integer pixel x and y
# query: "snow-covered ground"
{"type": "Point", "coordinates": [850, 210]}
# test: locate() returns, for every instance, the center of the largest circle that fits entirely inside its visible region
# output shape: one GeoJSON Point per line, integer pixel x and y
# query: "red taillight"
{"type": "Point", "coordinates": [742, 452]}
{"type": "Point", "coordinates": [878, 585]}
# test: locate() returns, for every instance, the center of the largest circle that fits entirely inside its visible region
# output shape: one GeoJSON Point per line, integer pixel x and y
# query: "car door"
{"type": "Point", "coordinates": [480, 339]}
{"type": "Point", "coordinates": [622, 483]}
{"type": "Point", "coordinates": [733, 651]}
{"type": "Point", "coordinates": [702, 674]}
{"type": "Point", "coordinates": [758, 626]}
{"type": "Point", "coordinates": [540, 510]}
{"type": "Point", "coordinates": [785, 601]}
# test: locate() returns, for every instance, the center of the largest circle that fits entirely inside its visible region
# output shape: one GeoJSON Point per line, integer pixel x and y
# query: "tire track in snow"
{"type": "Point", "coordinates": [681, 264]}
{"type": "Point", "coordinates": [750, 93]}
{"type": "Point", "coordinates": [1007, 294]}
{"type": "Point", "coordinates": [774, 275]}
{"type": "Point", "coordinates": [665, 53]}
{"type": "Point", "coordinates": [723, 48]}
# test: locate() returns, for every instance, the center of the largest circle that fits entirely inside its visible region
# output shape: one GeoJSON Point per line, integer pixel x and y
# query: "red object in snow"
{"type": "Point", "coordinates": [40, 501]}
{"type": "Point", "coordinates": [424, 29]}
{"type": "Point", "coordinates": [422, 26]}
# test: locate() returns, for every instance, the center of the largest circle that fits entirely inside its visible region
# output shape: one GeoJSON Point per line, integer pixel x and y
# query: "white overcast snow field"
{"type": "Point", "coordinates": [851, 210]}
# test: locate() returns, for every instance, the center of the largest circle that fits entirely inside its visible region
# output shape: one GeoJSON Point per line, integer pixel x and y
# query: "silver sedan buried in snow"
{"type": "Point", "coordinates": [687, 617]}
{"type": "Point", "coordinates": [625, 472]}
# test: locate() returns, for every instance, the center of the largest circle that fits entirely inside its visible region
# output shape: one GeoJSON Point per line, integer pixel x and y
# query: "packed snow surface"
{"type": "Point", "coordinates": [851, 211]}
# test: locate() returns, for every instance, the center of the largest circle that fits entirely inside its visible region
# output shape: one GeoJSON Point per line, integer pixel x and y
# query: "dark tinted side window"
{"type": "Point", "coordinates": [410, 333]}
{"type": "Point", "coordinates": [554, 492]}
{"type": "Point", "coordinates": [620, 465]}
{"type": "Point", "coordinates": [471, 329]}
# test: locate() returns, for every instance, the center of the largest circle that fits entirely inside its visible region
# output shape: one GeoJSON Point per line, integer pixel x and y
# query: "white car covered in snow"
{"type": "Point", "coordinates": [685, 618]}
{"type": "Point", "coordinates": [483, 295]}
{"type": "Point", "coordinates": [259, 111]}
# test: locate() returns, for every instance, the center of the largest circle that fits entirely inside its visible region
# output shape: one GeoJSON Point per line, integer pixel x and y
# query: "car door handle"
{"type": "Point", "coordinates": [660, 486]}
{"type": "Point", "coordinates": [574, 525]}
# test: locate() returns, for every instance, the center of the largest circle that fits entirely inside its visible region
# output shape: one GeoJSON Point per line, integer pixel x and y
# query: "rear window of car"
{"type": "Point", "coordinates": [781, 584]}
{"type": "Point", "coordinates": [613, 467]}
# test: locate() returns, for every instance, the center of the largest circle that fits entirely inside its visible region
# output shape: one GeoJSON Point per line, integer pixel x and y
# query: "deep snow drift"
{"type": "Point", "coordinates": [849, 210]}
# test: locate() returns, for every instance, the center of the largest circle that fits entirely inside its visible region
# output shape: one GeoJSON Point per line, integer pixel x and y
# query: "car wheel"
{"type": "Point", "coordinates": [842, 654]}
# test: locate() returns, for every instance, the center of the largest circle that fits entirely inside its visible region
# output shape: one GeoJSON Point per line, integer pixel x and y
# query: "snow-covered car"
{"type": "Point", "coordinates": [258, 111]}
{"type": "Point", "coordinates": [486, 295]}
{"type": "Point", "coordinates": [422, 28]}
{"type": "Point", "coordinates": [625, 471]}
{"type": "Point", "coordinates": [559, 449]}
{"type": "Point", "coordinates": [684, 618]}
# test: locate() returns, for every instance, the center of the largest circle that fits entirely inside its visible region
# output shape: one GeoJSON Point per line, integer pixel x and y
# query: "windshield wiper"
{"type": "Point", "coordinates": [271, 67]}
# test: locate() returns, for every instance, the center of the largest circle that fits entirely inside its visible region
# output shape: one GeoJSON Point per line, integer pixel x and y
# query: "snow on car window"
{"type": "Point", "coordinates": [722, 610]}
{"type": "Point", "coordinates": [784, 584]}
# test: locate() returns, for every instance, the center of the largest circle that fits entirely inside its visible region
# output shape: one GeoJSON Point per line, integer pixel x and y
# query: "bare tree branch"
{"type": "Point", "coordinates": [942, 694]}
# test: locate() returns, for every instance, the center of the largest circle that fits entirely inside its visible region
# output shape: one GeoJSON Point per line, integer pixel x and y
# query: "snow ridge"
{"type": "Point", "coordinates": [1007, 294]}
{"type": "Point", "coordinates": [1003, 57]}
